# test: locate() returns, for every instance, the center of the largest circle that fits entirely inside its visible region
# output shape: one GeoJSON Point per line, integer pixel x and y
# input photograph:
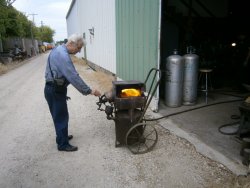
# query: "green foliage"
{"type": "Point", "coordinates": [3, 17]}
{"type": "Point", "coordinates": [3, 3]}
{"type": "Point", "coordinates": [14, 23]}
{"type": "Point", "coordinates": [45, 34]}
{"type": "Point", "coordinates": [24, 26]}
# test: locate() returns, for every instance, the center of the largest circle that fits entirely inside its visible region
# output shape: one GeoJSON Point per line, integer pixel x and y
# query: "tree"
{"type": "Point", "coordinates": [45, 34]}
{"type": "Point", "coordinates": [24, 26]}
{"type": "Point", "coordinates": [14, 23]}
{"type": "Point", "coordinates": [3, 17]}
{"type": "Point", "coordinates": [10, 2]}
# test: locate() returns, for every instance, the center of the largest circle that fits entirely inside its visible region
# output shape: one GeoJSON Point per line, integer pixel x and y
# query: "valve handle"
{"type": "Point", "coordinates": [102, 100]}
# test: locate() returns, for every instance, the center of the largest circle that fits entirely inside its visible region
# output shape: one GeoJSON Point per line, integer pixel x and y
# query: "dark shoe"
{"type": "Point", "coordinates": [70, 137]}
{"type": "Point", "coordinates": [68, 148]}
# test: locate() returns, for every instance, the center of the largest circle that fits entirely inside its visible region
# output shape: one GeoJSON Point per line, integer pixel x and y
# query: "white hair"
{"type": "Point", "coordinates": [76, 39]}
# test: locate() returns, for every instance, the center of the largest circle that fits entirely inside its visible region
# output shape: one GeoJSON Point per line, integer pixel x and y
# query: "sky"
{"type": "Point", "coordinates": [51, 13]}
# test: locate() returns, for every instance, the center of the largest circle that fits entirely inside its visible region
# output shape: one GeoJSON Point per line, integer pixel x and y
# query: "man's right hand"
{"type": "Point", "coordinates": [96, 93]}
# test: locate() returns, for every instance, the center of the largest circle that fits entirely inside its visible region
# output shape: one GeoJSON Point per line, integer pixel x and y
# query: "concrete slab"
{"type": "Point", "coordinates": [201, 128]}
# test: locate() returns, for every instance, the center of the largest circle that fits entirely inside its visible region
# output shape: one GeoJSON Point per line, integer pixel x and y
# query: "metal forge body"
{"type": "Point", "coordinates": [127, 106]}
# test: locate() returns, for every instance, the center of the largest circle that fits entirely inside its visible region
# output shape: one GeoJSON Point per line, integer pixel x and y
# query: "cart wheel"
{"type": "Point", "coordinates": [141, 138]}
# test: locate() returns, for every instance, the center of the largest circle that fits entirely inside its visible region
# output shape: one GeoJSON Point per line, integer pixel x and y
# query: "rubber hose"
{"type": "Point", "coordinates": [176, 113]}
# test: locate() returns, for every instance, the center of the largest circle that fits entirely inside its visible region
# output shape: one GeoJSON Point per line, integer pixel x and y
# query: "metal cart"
{"type": "Point", "coordinates": [131, 127]}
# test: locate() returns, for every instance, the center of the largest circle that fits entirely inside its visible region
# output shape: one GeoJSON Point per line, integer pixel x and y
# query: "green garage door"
{"type": "Point", "coordinates": [137, 31]}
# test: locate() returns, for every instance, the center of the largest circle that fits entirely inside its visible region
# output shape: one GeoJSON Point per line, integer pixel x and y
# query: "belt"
{"type": "Point", "coordinates": [50, 83]}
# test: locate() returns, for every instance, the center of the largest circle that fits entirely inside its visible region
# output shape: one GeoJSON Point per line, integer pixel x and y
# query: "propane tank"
{"type": "Point", "coordinates": [190, 77]}
{"type": "Point", "coordinates": [174, 80]}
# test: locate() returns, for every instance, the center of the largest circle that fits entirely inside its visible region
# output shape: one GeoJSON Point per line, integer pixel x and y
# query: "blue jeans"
{"type": "Point", "coordinates": [59, 111]}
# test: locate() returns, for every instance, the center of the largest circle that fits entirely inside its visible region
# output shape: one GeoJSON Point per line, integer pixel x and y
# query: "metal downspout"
{"type": "Point", "coordinates": [158, 59]}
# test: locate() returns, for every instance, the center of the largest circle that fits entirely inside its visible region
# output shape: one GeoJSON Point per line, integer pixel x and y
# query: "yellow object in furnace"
{"type": "Point", "coordinates": [130, 93]}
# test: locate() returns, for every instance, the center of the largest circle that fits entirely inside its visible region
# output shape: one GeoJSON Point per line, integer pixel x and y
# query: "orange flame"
{"type": "Point", "coordinates": [130, 93]}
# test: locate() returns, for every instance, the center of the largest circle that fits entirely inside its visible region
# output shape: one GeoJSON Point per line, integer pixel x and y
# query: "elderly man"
{"type": "Point", "coordinates": [59, 73]}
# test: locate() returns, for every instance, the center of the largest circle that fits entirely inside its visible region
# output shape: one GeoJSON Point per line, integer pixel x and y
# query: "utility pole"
{"type": "Point", "coordinates": [31, 32]}
{"type": "Point", "coordinates": [33, 17]}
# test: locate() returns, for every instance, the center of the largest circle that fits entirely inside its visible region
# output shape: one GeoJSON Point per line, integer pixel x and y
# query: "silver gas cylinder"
{"type": "Point", "coordinates": [190, 77]}
{"type": "Point", "coordinates": [174, 80]}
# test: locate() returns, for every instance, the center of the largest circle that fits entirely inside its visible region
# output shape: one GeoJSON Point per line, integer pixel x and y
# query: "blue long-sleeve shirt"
{"type": "Point", "coordinates": [62, 67]}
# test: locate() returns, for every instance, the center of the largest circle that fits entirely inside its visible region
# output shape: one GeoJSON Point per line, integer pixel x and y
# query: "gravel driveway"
{"type": "Point", "coordinates": [29, 157]}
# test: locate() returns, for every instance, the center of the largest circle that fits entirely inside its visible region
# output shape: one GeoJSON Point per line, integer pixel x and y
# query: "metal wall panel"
{"type": "Point", "coordinates": [98, 16]}
{"type": "Point", "coordinates": [72, 21]}
{"type": "Point", "coordinates": [137, 26]}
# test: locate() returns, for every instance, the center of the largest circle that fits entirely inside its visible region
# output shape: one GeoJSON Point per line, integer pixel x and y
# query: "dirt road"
{"type": "Point", "coordinates": [29, 157]}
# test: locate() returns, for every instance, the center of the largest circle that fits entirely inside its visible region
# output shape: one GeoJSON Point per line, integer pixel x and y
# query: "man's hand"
{"type": "Point", "coordinates": [95, 92]}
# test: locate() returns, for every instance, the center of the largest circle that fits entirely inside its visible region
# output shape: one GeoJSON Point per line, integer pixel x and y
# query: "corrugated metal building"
{"type": "Point", "coordinates": [129, 37]}
{"type": "Point", "coordinates": [122, 36]}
